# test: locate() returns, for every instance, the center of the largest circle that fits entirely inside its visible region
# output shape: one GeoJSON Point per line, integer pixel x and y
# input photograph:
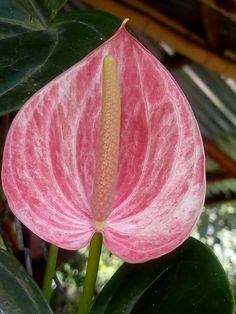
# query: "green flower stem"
{"type": "Point", "coordinates": [50, 271]}
{"type": "Point", "coordinates": [91, 274]}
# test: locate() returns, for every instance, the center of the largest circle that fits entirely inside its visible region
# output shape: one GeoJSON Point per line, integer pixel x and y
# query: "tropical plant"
{"type": "Point", "coordinates": [108, 151]}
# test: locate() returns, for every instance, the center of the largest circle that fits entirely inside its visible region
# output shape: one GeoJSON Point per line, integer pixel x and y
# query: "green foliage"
{"type": "Point", "coordinates": [187, 280]}
{"type": "Point", "coordinates": [44, 10]}
{"type": "Point", "coordinates": [18, 292]}
{"type": "Point", "coordinates": [34, 47]}
{"type": "Point", "coordinates": [71, 277]}
{"type": "Point", "coordinates": [217, 228]}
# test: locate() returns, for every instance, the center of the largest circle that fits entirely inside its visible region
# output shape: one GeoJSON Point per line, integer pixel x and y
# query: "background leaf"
{"type": "Point", "coordinates": [44, 10]}
{"type": "Point", "coordinates": [32, 54]}
{"type": "Point", "coordinates": [188, 280]}
{"type": "Point", "coordinates": [18, 292]}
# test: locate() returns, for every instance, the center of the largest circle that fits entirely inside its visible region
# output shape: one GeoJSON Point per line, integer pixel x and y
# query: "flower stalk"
{"type": "Point", "coordinates": [91, 274]}
{"type": "Point", "coordinates": [50, 271]}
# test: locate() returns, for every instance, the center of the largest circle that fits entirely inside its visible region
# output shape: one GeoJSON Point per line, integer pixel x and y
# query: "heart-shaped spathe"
{"type": "Point", "coordinates": [50, 157]}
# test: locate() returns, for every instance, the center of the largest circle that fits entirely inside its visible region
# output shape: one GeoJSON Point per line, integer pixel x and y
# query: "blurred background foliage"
{"type": "Point", "coordinates": [217, 229]}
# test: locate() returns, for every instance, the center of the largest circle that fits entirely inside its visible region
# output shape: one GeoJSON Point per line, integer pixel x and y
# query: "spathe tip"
{"type": "Point", "coordinates": [125, 21]}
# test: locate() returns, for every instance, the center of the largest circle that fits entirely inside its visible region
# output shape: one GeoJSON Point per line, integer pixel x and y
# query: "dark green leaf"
{"type": "Point", "coordinates": [43, 10]}
{"type": "Point", "coordinates": [32, 54]}
{"type": "Point", "coordinates": [189, 280]}
{"type": "Point", "coordinates": [53, 6]}
{"type": "Point", "coordinates": [18, 292]}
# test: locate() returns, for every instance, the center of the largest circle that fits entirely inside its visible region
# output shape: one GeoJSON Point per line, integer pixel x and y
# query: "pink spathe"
{"type": "Point", "coordinates": [50, 157]}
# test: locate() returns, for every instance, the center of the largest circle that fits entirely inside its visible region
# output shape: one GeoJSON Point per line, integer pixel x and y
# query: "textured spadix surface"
{"type": "Point", "coordinates": [50, 157]}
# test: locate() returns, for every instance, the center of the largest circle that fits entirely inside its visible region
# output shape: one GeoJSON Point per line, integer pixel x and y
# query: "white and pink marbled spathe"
{"type": "Point", "coordinates": [50, 157]}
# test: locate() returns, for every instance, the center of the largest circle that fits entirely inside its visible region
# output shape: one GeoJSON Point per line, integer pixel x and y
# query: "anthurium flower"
{"type": "Point", "coordinates": [50, 165]}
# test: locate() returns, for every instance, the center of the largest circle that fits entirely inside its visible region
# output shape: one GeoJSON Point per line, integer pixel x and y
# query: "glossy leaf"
{"type": "Point", "coordinates": [187, 280]}
{"type": "Point", "coordinates": [18, 292]}
{"type": "Point", "coordinates": [33, 52]}
{"type": "Point", "coordinates": [51, 149]}
{"type": "Point", "coordinates": [43, 11]}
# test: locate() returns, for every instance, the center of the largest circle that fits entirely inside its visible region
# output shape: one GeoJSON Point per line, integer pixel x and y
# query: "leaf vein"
{"type": "Point", "coordinates": [30, 73]}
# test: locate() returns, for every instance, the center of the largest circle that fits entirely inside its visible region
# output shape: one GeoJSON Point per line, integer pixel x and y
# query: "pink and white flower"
{"type": "Point", "coordinates": [50, 157]}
